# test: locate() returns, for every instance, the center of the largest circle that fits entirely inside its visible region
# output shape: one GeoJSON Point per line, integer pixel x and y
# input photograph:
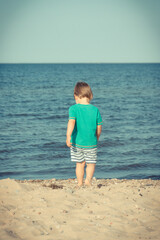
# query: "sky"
{"type": "Point", "coordinates": [79, 31]}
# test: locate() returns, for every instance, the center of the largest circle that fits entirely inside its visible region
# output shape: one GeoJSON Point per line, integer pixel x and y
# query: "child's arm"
{"type": "Point", "coordinates": [99, 130]}
{"type": "Point", "coordinates": [70, 127]}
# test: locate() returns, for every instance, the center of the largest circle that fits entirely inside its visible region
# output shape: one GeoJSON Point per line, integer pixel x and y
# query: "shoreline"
{"type": "Point", "coordinates": [57, 209]}
{"type": "Point", "coordinates": [72, 182]}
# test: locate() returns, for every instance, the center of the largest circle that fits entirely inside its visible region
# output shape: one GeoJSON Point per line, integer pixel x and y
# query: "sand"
{"type": "Point", "coordinates": [58, 210]}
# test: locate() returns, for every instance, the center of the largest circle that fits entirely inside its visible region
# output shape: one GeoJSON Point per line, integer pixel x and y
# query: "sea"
{"type": "Point", "coordinates": [34, 104]}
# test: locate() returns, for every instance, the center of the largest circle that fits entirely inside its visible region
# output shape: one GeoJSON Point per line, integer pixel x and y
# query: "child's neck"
{"type": "Point", "coordinates": [83, 101]}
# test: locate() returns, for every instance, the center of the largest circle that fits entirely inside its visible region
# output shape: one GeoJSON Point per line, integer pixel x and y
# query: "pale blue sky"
{"type": "Point", "coordinates": [79, 31]}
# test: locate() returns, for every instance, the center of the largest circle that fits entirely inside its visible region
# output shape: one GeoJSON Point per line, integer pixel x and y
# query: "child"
{"type": "Point", "coordinates": [83, 132]}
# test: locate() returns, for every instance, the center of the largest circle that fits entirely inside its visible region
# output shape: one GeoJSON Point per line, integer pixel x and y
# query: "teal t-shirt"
{"type": "Point", "coordinates": [87, 118]}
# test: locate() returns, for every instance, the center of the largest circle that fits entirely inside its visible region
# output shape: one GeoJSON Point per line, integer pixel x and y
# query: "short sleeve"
{"type": "Point", "coordinates": [99, 118]}
{"type": "Point", "coordinates": [72, 113]}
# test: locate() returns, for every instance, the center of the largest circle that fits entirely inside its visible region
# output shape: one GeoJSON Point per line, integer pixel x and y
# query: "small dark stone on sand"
{"type": "Point", "coordinates": [54, 186]}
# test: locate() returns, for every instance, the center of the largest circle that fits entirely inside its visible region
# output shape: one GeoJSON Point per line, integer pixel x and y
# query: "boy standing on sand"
{"type": "Point", "coordinates": [83, 131]}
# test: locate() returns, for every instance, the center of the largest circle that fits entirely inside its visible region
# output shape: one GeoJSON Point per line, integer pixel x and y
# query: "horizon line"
{"type": "Point", "coordinates": [79, 62]}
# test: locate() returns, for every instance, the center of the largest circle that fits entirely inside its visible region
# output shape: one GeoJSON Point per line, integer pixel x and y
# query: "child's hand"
{"type": "Point", "coordinates": [99, 130]}
{"type": "Point", "coordinates": [70, 128]}
{"type": "Point", "coordinates": [68, 141]}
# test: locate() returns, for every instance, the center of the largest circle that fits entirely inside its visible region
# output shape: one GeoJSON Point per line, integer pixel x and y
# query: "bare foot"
{"type": "Point", "coordinates": [88, 183]}
{"type": "Point", "coordinates": [79, 185]}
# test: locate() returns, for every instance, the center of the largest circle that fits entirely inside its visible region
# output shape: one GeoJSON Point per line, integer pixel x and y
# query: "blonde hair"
{"type": "Point", "coordinates": [82, 90]}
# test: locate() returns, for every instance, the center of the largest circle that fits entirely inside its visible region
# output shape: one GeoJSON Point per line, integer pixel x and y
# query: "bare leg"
{"type": "Point", "coordinates": [80, 172]}
{"type": "Point", "coordinates": [89, 173]}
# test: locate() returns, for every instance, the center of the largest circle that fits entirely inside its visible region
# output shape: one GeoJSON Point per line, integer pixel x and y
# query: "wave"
{"type": "Point", "coordinates": [53, 117]}
{"type": "Point", "coordinates": [22, 115]}
{"type": "Point", "coordinates": [140, 176]}
{"type": "Point", "coordinates": [11, 174]}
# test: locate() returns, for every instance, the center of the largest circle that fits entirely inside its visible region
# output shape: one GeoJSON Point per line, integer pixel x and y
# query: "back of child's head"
{"type": "Point", "coordinates": [82, 90]}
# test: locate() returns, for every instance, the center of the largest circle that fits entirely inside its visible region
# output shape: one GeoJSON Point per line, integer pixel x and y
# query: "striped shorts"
{"type": "Point", "coordinates": [89, 155]}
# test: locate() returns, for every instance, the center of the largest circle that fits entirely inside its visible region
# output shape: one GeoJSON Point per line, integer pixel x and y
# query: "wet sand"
{"type": "Point", "coordinates": [58, 210]}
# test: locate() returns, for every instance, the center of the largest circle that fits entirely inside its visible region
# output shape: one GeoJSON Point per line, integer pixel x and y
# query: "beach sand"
{"type": "Point", "coordinates": [58, 210]}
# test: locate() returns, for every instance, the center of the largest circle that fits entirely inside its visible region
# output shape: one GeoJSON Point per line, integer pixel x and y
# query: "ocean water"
{"type": "Point", "coordinates": [34, 102]}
